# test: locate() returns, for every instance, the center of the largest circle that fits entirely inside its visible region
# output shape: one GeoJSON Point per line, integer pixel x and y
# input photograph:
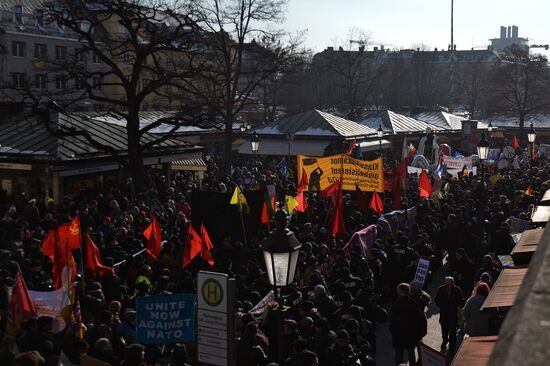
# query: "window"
{"type": "Point", "coordinates": [19, 80]}
{"type": "Point", "coordinates": [95, 58]}
{"type": "Point", "coordinates": [96, 83]}
{"type": "Point", "coordinates": [41, 81]}
{"type": "Point", "coordinates": [60, 52]}
{"type": "Point", "coordinates": [40, 17]}
{"type": "Point", "coordinates": [145, 83]}
{"type": "Point", "coordinates": [18, 14]}
{"type": "Point", "coordinates": [60, 82]}
{"type": "Point", "coordinates": [18, 49]}
{"type": "Point", "coordinates": [80, 83]}
{"type": "Point", "coordinates": [40, 51]}
{"type": "Point", "coordinates": [85, 26]}
{"type": "Point", "coordinates": [81, 55]}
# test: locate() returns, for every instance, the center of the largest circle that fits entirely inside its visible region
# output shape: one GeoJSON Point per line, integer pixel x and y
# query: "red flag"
{"type": "Point", "coordinates": [425, 185]}
{"type": "Point", "coordinates": [304, 182]}
{"type": "Point", "coordinates": [330, 191]}
{"type": "Point", "coordinates": [21, 307]}
{"type": "Point", "coordinates": [515, 143]}
{"type": "Point", "coordinates": [400, 181]}
{"type": "Point", "coordinates": [193, 246]}
{"type": "Point", "coordinates": [268, 210]}
{"type": "Point", "coordinates": [338, 227]}
{"type": "Point", "coordinates": [351, 147]}
{"type": "Point", "coordinates": [60, 254]}
{"type": "Point", "coordinates": [206, 247]}
{"type": "Point", "coordinates": [93, 262]}
{"type": "Point", "coordinates": [71, 232]}
{"type": "Point", "coordinates": [376, 203]}
{"type": "Point", "coordinates": [528, 191]}
{"type": "Point", "coordinates": [303, 202]}
{"type": "Point", "coordinates": [361, 199]}
{"type": "Point", "coordinates": [154, 238]}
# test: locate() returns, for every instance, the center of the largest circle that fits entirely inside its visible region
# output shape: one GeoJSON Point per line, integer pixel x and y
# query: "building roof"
{"type": "Point", "coordinates": [26, 135]}
{"type": "Point", "coordinates": [395, 123]}
{"type": "Point", "coordinates": [29, 25]}
{"type": "Point", "coordinates": [475, 351]}
{"type": "Point", "coordinates": [315, 123]}
{"type": "Point", "coordinates": [539, 120]}
{"type": "Point", "coordinates": [148, 117]}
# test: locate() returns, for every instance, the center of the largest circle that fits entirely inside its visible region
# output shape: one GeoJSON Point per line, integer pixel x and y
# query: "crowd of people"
{"type": "Point", "coordinates": [338, 298]}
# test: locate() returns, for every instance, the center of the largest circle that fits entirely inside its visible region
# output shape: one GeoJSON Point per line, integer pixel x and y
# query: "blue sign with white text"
{"type": "Point", "coordinates": [165, 319]}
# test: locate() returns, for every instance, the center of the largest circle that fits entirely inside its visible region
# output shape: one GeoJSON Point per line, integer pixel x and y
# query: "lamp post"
{"type": "Point", "coordinates": [280, 251]}
{"type": "Point", "coordinates": [531, 136]}
{"type": "Point", "coordinates": [243, 128]}
{"type": "Point", "coordinates": [380, 134]}
{"type": "Point", "coordinates": [482, 152]}
{"type": "Point", "coordinates": [255, 145]}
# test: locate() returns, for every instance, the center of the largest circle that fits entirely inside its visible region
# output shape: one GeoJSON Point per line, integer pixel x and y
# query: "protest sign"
{"type": "Point", "coordinates": [422, 271]}
{"type": "Point", "coordinates": [165, 319]}
{"type": "Point", "coordinates": [321, 172]}
{"type": "Point", "coordinates": [457, 163]}
{"type": "Point", "coordinates": [263, 305]}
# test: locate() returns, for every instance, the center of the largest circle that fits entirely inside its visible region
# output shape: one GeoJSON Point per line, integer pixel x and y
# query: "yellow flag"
{"type": "Point", "coordinates": [291, 203]}
{"type": "Point", "coordinates": [239, 199]}
{"type": "Point", "coordinates": [495, 178]}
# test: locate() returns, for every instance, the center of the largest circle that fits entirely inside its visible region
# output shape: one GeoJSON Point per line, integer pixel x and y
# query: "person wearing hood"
{"type": "Point", "coordinates": [476, 322]}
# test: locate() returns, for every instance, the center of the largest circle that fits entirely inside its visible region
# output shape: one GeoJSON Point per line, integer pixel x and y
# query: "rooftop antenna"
{"type": "Point", "coordinates": [451, 86]}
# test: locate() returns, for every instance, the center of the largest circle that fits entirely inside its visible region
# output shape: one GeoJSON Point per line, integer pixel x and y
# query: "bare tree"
{"type": "Point", "coordinates": [520, 84]}
{"type": "Point", "coordinates": [243, 54]}
{"type": "Point", "coordinates": [473, 85]}
{"type": "Point", "coordinates": [345, 76]}
{"type": "Point", "coordinates": [142, 46]}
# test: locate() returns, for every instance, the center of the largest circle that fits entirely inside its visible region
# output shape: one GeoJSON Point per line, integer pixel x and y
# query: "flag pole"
{"type": "Point", "coordinates": [68, 264]}
{"type": "Point", "coordinates": [242, 222]}
{"type": "Point", "coordinates": [83, 270]}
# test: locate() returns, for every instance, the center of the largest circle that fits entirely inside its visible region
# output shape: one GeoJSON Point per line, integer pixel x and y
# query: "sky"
{"type": "Point", "coordinates": [406, 23]}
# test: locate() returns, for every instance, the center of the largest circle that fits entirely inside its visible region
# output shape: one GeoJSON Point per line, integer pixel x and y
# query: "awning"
{"type": "Point", "coordinates": [197, 165]}
{"type": "Point", "coordinates": [374, 145]}
{"type": "Point", "coordinates": [475, 351]}
{"type": "Point", "coordinates": [545, 201]}
{"type": "Point", "coordinates": [541, 214]}
{"type": "Point", "coordinates": [504, 292]}
{"type": "Point", "coordinates": [281, 147]}
{"type": "Point", "coordinates": [529, 241]}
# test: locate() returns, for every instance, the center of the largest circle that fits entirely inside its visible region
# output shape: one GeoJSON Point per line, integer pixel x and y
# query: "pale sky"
{"type": "Point", "coordinates": [403, 23]}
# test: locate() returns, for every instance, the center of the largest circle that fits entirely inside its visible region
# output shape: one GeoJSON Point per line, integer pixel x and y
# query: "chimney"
{"type": "Point", "coordinates": [340, 48]}
{"type": "Point", "coordinates": [362, 48]}
{"type": "Point", "coordinates": [375, 49]}
{"type": "Point", "coordinates": [514, 31]}
{"type": "Point", "coordinates": [509, 32]}
{"type": "Point", "coordinates": [381, 47]}
{"type": "Point", "coordinates": [502, 32]}
{"type": "Point", "coordinates": [454, 48]}
{"type": "Point", "coordinates": [418, 49]}
{"type": "Point", "coordinates": [330, 49]}
{"type": "Point", "coordinates": [435, 49]}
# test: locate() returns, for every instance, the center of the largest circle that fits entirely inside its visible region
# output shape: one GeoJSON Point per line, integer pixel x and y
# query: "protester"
{"type": "Point", "coordinates": [341, 289]}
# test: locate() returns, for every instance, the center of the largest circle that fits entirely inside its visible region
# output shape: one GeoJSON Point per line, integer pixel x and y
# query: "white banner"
{"type": "Point", "coordinates": [51, 304]}
{"type": "Point", "coordinates": [457, 163]}
{"type": "Point", "coordinates": [261, 307]}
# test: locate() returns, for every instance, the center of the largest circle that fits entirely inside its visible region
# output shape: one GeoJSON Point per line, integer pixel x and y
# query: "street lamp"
{"type": "Point", "coordinates": [255, 145]}
{"type": "Point", "coordinates": [380, 133]}
{"type": "Point", "coordinates": [483, 148]}
{"type": "Point", "coordinates": [281, 249]}
{"type": "Point", "coordinates": [490, 127]}
{"type": "Point", "coordinates": [247, 126]}
{"type": "Point", "coordinates": [243, 128]}
{"type": "Point", "coordinates": [532, 134]}
{"type": "Point", "coordinates": [483, 153]}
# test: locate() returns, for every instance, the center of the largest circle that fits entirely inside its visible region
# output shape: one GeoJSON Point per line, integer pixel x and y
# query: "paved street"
{"type": "Point", "coordinates": [385, 354]}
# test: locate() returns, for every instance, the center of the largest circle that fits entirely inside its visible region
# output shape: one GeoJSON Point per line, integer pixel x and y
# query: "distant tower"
{"type": "Point", "coordinates": [509, 36]}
